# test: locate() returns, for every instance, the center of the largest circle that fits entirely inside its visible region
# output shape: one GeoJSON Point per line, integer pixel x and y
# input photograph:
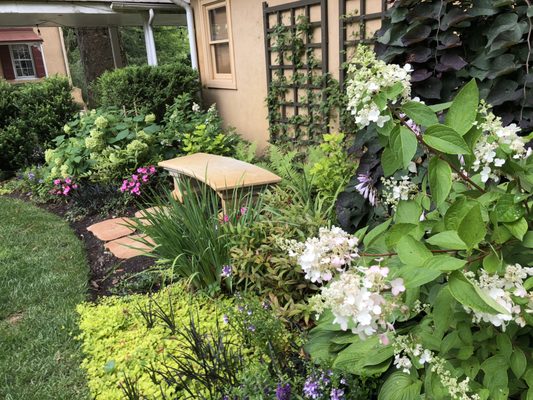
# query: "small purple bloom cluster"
{"type": "Point", "coordinates": [133, 185]}
{"type": "Point", "coordinates": [64, 187]}
{"type": "Point", "coordinates": [283, 392]}
{"type": "Point", "coordinates": [226, 271]}
{"type": "Point", "coordinates": [317, 386]}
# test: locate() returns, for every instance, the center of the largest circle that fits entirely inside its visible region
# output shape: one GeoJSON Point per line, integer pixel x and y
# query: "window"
{"type": "Point", "coordinates": [219, 47]}
{"type": "Point", "coordinates": [23, 64]}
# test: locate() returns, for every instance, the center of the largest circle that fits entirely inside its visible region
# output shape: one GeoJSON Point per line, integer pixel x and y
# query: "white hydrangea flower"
{"type": "Point", "coordinates": [321, 257]}
{"type": "Point", "coordinates": [395, 190]}
{"type": "Point", "coordinates": [501, 289]}
{"type": "Point", "coordinates": [368, 78]}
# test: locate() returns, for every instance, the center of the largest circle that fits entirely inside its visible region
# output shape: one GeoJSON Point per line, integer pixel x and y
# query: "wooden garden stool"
{"type": "Point", "coordinates": [226, 176]}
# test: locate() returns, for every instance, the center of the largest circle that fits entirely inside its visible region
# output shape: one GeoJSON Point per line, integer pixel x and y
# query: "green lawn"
{"type": "Point", "coordinates": [43, 275]}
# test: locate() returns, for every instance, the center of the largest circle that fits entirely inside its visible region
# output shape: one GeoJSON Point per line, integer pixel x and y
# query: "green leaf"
{"type": "Point", "coordinates": [414, 277]}
{"type": "Point", "coordinates": [448, 240]}
{"type": "Point", "coordinates": [403, 143]}
{"type": "Point", "coordinates": [518, 362]}
{"type": "Point", "coordinates": [412, 252]}
{"type": "Point", "coordinates": [518, 228]}
{"type": "Point", "coordinates": [110, 366]}
{"type": "Point", "coordinates": [463, 110]}
{"type": "Point", "coordinates": [440, 106]}
{"type": "Point", "coordinates": [527, 241]}
{"type": "Point", "coordinates": [468, 294]}
{"type": "Point", "coordinates": [472, 229]}
{"type": "Point", "coordinates": [495, 378]}
{"type": "Point", "coordinates": [445, 139]}
{"type": "Point", "coordinates": [507, 210]}
{"type": "Point", "coordinates": [492, 262]}
{"type": "Point", "coordinates": [455, 214]}
{"type": "Point", "coordinates": [408, 212]}
{"type": "Point", "coordinates": [420, 113]}
{"type": "Point", "coordinates": [505, 347]}
{"type": "Point", "coordinates": [376, 232]}
{"type": "Point", "coordinates": [400, 386]}
{"type": "Point", "coordinates": [443, 310]}
{"type": "Point", "coordinates": [397, 232]}
{"type": "Point", "coordinates": [363, 353]}
{"type": "Point", "coordinates": [389, 162]}
{"type": "Point", "coordinates": [440, 180]}
{"type": "Point", "coordinates": [444, 263]}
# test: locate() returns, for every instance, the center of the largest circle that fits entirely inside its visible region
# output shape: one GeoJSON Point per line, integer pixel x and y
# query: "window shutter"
{"type": "Point", "coordinates": [7, 65]}
{"type": "Point", "coordinates": [40, 71]}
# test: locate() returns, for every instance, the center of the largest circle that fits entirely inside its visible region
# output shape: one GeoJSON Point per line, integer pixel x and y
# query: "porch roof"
{"type": "Point", "coordinates": [88, 13]}
{"type": "Point", "coordinates": [12, 35]}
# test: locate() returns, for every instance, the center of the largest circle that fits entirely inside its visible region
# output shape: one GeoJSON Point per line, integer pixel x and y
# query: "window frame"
{"type": "Point", "coordinates": [213, 78]}
{"type": "Point", "coordinates": [32, 59]}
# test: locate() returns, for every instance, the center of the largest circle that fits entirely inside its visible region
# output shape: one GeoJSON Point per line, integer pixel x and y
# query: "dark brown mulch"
{"type": "Point", "coordinates": [106, 272]}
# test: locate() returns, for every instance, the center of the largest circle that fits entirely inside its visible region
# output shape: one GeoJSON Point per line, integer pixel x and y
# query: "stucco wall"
{"type": "Point", "coordinates": [244, 107]}
{"type": "Point", "coordinates": [53, 51]}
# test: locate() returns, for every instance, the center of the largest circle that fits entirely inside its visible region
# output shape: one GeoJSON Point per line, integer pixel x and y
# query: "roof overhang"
{"type": "Point", "coordinates": [18, 35]}
{"type": "Point", "coordinates": [88, 13]}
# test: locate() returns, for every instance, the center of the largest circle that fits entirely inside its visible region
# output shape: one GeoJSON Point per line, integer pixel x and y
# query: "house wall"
{"type": "Point", "coordinates": [244, 107]}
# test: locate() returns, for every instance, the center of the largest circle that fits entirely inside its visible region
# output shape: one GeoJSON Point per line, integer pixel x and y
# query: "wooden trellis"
{"type": "Point", "coordinates": [359, 20]}
{"type": "Point", "coordinates": [296, 50]}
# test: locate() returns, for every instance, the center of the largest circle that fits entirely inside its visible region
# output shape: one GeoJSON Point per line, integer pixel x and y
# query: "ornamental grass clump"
{"type": "Point", "coordinates": [437, 298]}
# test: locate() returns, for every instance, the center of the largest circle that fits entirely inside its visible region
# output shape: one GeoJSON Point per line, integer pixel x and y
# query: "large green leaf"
{"type": "Point", "coordinates": [518, 362]}
{"type": "Point", "coordinates": [507, 210]}
{"type": "Point", "coordinates": [463, 110]}
{"type": "Point", "coordinates": [472, 229]}
{"type": "Point", "coordinates": [389, 162]}
{"type": "Point", "coordinates": [440, 180]}
{"type": "Point", "coordinates": [517, 228]}
{"type": "Point", "coordinates": [376, 232]}
{"type": "Point", "coordinates": [457, 211]}
{"type": "Point", "coordinates": [444, 263]}
{"type": "Point", "coordinates": [445, 139]}
{"type": "Point", "coordinates": [403, 143]}
{"type": "Point", "coordinates": [363, 353]}
{"type": "Point", "coordinates": [412, 252]}
{"type": "Point", "coordinates": [420, 113]}
{"type": "Point", "coordinates": [447, 240]}
{"type": "Point", "coordinates": [407, 211]}
{"type": "Point", "coordinates": [400, 386]}
{"type": "Point", "coordinates": [414, 277]}
{"type": "Point", "coordinates": [468, 294]}
{"type": "Point", "coordinates": [495, 376]}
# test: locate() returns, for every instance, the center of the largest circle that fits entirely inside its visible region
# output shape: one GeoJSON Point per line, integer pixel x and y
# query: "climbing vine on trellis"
{"type": "Point", "coordinates": [302, 95]}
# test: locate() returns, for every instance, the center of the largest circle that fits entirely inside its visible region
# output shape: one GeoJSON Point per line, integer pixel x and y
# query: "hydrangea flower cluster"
{"type": "Point", "coordinates": [369, 78]}
{"type": "Point", "coordinates": [405, 352]}
{"type": "Point", "coordinates": [496, 137]}
{"type": "Point", "coordinates": [321, 257]}
{"type": "Point", "coordinates": [395, 190]}
{"type": "Point", "coordinates": [362, 300]}
{"type": "Point", "coordinates": [501, 290]}
{"type": "Point", "coordinates": [64, 187]}
{"type": "Point", "coordinates": [133, 185]}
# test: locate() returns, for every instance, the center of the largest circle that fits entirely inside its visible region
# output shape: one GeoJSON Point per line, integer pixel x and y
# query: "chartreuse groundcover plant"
{"type": "Point", "coordinates": [436, 299]}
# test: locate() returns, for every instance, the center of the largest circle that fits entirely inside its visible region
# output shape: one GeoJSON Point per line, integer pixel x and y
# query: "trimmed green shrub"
{"type": "Point", "coordinates": [30, 116]}
{"type": "Point", "coordinates": [146, 88]}
{"type": "Point", "coordinates": [124, 338]}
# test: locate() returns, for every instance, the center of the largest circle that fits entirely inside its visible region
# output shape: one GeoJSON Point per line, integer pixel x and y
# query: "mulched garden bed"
{"type": "Point", "coordinates": [107, 273]}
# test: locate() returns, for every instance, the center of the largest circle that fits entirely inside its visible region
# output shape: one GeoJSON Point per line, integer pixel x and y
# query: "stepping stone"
{"type": "Point", "coordinates": [112, 229]}
{"type": "Point", "coordinates": [141, 215]}
{"type": "Point", "coordinates": [129, 246]}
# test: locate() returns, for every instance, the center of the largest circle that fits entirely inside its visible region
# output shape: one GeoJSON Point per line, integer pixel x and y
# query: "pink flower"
{"type": "Point", "coordinates": [397, 286]}
{"type": "Point", "coordinates": [145, 178]}
{"type": "Point", "coordinates": [57, 181]}
{"type": "Point", "coordinates": [66, 190]}
{"type": "Point", "coordinates": [152, 169]}
{"type": "Point", "coordinates": [244, 210]}
{"type": "Point", "coordinates": [384, 339]}
{"type": "Point", "coordinates": [75, 186]}
{"type": "Point", "coordinates": [141, 170]}
{"type": "Point", "coordinates": [68, 181]}
{"type": "Point", "coordinates": [135, 177]}
{"type": "Point", "coordinates": [225, 218]}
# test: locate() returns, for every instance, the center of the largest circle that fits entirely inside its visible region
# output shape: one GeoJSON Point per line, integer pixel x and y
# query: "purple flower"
{"type": "Point", "coordinates": [265, 304]}
{"type": "Point", "coordinates": [366, 188]}
{"type": "Point", "coordinates": [336, 394]}
{"type": "Point", "coordinates": [226, 271]}
{"type": "Point", "coordinates": [311, 389]}
{"type": "Point", "coordinates": [283, 392]}
{"type": "Point", "coordinates": [225, 318]}
{"type": "Point", "coordinates": [251, 328]}
{"type": "Point", "coordinates": [31, 176]}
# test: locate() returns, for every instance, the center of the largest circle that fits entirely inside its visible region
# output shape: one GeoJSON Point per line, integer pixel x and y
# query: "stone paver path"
{"type": "Point", "coordinates": [120, 237]}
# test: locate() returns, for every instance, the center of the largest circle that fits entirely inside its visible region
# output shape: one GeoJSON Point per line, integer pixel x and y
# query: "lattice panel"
{"type": "Point", "coordinates": [296, 46]}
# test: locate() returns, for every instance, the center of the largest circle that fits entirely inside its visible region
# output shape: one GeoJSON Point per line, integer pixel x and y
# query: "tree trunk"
{"type": "Point", "coordinates": [95, 54]}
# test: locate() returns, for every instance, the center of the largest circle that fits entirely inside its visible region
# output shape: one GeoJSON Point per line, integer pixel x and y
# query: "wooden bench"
{"type": "Point", "coordinates": [226, 176]}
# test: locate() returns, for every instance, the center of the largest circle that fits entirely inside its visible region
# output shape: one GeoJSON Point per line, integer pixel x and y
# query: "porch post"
{"type": "Point", "coordinates": [149, 40]}
{"type": "Point", "coordinates": [115, 47]}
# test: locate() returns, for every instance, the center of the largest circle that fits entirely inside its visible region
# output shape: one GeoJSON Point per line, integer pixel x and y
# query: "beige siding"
{"type": "Point", "coordinates": [54, 56]}
{"type": "Point", "coordinates": [244, 107]}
